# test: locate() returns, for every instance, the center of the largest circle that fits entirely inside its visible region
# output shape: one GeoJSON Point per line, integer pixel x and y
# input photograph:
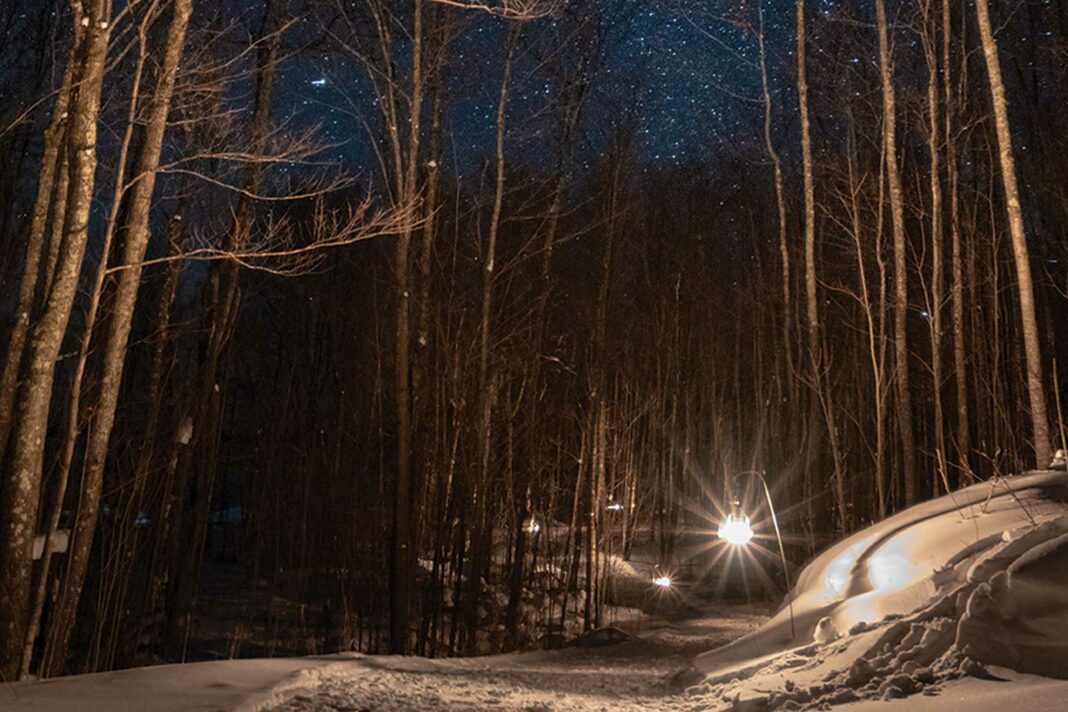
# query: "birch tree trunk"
{"type": "Point", "coordinates": [1028, 323]}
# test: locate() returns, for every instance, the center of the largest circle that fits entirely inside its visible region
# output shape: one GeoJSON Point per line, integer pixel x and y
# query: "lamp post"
{"type": "Point", "coordinates": [737, 531]}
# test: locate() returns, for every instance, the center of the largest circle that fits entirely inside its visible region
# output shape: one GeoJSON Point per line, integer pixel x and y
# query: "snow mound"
{"type": "Point", "coordinates": [940, 591]}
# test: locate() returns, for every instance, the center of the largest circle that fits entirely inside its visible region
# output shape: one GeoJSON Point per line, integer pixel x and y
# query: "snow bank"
{"type": "Point", "coordinates": [190, 687]}
{"type": "Point", "coordinates": [935, 593]}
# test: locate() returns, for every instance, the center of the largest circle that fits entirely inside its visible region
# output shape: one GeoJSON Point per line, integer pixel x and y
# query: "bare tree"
{"type": "Point", "coordinates": [1025, 286]}
{"type": "Point", "coordinates": [22, 489]}
{"type": "Point", "coordinates": [934, 306]}
{"type": "Point", "coordinates": [118, 333]}
{"type": "Point", "coordinates": [956, 289]}
{"type": "Point", "coordinates": [901, 291]}
{"type": "Point", "coordinates": [52, 163]}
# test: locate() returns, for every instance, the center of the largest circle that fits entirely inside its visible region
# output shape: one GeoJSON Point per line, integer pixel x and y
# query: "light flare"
{"type": "Point", "coordinates": [736, 532]}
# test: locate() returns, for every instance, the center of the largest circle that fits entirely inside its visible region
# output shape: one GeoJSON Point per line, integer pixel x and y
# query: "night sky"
{"type": "Point", "coordinates": [688, 81]}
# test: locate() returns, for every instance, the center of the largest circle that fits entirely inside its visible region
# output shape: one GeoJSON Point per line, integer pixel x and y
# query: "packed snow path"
{"type": "Point", "coordinates": [638, 674]}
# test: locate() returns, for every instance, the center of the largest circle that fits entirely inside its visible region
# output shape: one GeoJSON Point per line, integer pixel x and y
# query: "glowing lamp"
{"type": "Point", "coordinates": [736, 531]}
{"type": "Point", "coordinates": [662, 581]}
{"type": "Point", "coordinates": [533, 527]}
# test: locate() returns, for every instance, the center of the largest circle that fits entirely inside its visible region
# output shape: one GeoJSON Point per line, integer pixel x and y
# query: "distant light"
{"type": "Point", "coordinates": [735, 531]}
{"type": "Point", "coordinates": [925, 314]}
{"type": "Point", "coordinates": [614, 507]}
{"type": "Point", "coordinates": [533, 527]}
{"type": "Point", "coordinates": [320, 82]}
{"type": "Point", "coordinates": [662, 581]}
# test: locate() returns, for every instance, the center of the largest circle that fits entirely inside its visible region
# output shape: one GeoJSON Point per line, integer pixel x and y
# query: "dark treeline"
{"type": "Point", "coordinates": [405, 395]}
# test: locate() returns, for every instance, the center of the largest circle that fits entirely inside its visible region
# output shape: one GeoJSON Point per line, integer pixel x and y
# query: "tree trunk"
{"type": "Point", "coordinates": [486, 376]}
{"type": "Point", "coordinates": [22, 489]}
{"type": "Point", "coordinates": [780, 202]}
{"type": "Point", "coordinates": [956, 290]}
{"type": "Point", "coordinates": [114, 357]}
{"type": "Point", "coordinates": [51, 163]}
{"type": "Point", "coordinates": [401, 559]}
{"type": "Point", "coordinates": [818, 364]}
{"type": "Point", "coordinates": [1028, 323]}
{"type": "Point", "coordinates": [74, 409]}
{"type": "Point", "coordinates": [901, 292]}
{"type": "Point", "coordinates": [225, 295]}
{"type": "Point", "coordinates": [934, 308]}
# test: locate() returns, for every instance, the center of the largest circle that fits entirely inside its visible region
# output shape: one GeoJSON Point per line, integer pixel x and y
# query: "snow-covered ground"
{"type": "Point", "coordinates": [637, 674]}
{"type": "Point", "coordinates": [958, 603]}
{"type": "Point", "coordinates": [936, 593]}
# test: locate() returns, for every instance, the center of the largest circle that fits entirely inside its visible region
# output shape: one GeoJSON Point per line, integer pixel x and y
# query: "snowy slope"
{"type": "Point", "coordinates": [933, 594]}
{"type": "Point", "coordinates": [191, 687]}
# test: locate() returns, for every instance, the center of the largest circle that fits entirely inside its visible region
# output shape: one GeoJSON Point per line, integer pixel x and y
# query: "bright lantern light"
{"type": "Point", "coordinates": [662, 581]}
{"type": "Point", "coordinates": [736, 531]}
{"type": "Point", "coordinates": [533, 527]}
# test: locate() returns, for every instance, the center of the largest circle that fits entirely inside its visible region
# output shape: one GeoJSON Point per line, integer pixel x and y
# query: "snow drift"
{"type": "Point", "coordinates": [976, 578]}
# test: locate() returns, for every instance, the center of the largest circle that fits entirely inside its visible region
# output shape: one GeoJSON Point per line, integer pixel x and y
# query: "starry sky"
{"type": "Point", "coordinates": [687, 79]}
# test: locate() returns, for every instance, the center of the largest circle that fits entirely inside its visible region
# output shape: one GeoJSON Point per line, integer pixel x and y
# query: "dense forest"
{"type": "Point", "coordinates": [385, 325]}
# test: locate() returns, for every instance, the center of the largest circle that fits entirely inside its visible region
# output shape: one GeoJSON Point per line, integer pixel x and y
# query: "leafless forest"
{"type": "Point", "coordinates": [300, 386]}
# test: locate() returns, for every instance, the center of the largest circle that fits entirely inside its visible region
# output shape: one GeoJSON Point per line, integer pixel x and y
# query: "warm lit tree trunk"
{"type": "Point", "coordinates": [873, 314]}
{"type": "Point", "coordinates": [72, 426]}
{"type": "Point", "coordinates": [51, 165]}
{"type": "Point", "coordinates": [401, 554]}
{"type": "Point", "coordinates": [1028, 323]}
{"type": "Point", "coordinates": [114, 355]}
{"type": "Point", "coordinates": [901, 291]}
{"type": "Point", "coordinates": [811, 298]}
{"type": "Point", "coordinates": [934, 308]}
{"type": "Point", "coordinates": [21, 490]}
{"type": "Point", "coordinates": [819, 365]}
{"type": "Point", "coordinates": [487, 378]}
{"type": "Point", "coordinates": [809, 222]}
{"type": "Point", "coordinates": [960, 374]}
{"type": "Point", "coordinates": [780, 202]}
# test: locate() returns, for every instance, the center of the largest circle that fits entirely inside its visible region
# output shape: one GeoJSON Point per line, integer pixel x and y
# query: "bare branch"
{"type": "Point", "coordinates": [282, 251]}
{"type": "Point", "coordinates": [510, 9]}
